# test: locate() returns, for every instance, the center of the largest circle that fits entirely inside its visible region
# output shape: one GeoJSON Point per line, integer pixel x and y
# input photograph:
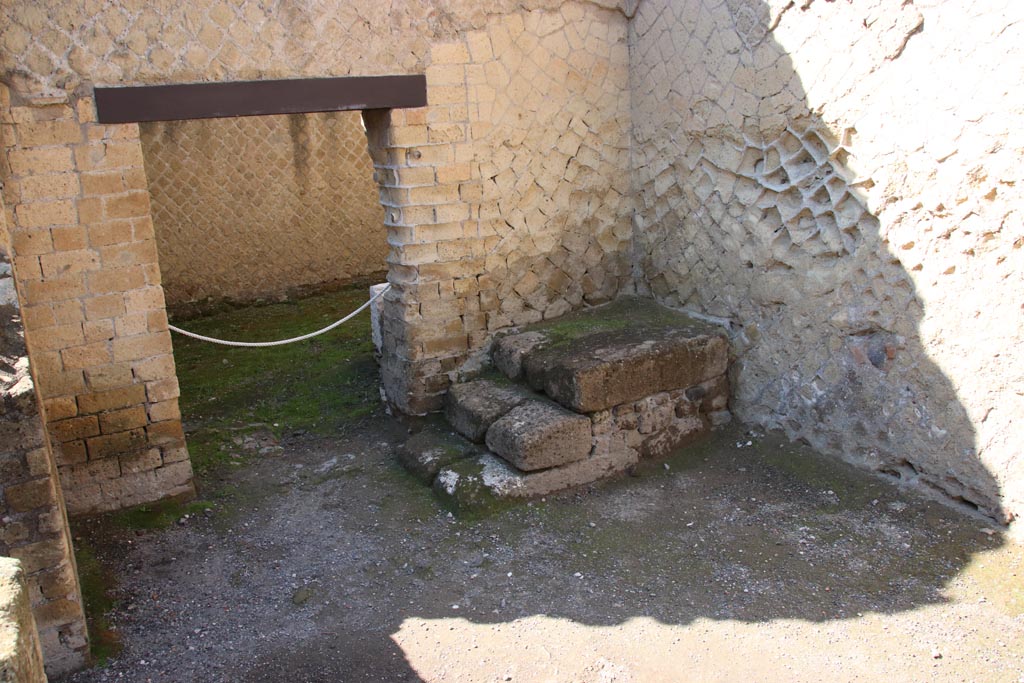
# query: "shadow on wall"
{"type": "Point", "coordinates": [750, 211]}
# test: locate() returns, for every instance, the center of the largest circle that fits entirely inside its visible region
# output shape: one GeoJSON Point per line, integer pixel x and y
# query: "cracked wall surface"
{"type": "Point", "coordinates": [252, 207]}
{"type": "Point", "coordinates": [840, 181]}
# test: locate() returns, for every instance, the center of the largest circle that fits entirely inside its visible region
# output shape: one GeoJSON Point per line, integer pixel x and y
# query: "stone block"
{"type": "Point", "coordinates": [20, 656]}
{"type": "Point", "coordinates": [32, 242]}
{"type": "Point", "coordinates": [166, 433]}
{"type": "Point", "coordinates": [122, 420]}
{"type": "Point", "coordinates": [507, 353]}
{"type": "Point", "coordinates": [538, 435]}
{"type": "Point", "coordinates": [599, 372]}
{"type": "Point", "coordinates": [30, 161]}
{"type": "Point", "coordinates": [46, 214]}
{"type": "Point", "coordinates": [449, 53]}
{"type": "Point", "coordinates": [128, 205]}
{"type": "Point", "coordinates": [162, 390]}
{"type": "Point", "coordinates": [483, 483]}
{"type": "Point", "coordinates": [141, 346]}
{"type": "Point", "coordinates": [74, 428]}
{"type": "Point", "coordinates": [471, 408]}
{"type": "Point", "coordinates": [425, 453]}
{"type": "Point", "coordinates": [140, 461]}
{"type": "Point", "coordinates": [29, 495]}
{"type": "Point", "coordinates": [40, 555]}
{"type": "Point", "coordinates": [164, 410]}
{"type": "Point", "coordinates": [109, 445]}
{"type": "Point", "coordinates": [42, 187]}
{"type": "Point", "coordinates": [105, 306]}
{"type": "Point", "coordinates": [109, 377]}
{"type": "Point", "coordinates": [118, 280]}
{"type": "Point", "coordinates": [88, 355]}
{"type": "Point", "coordinates": [111, 400]}
{"type": "Point", "coordinates": [43, 133]}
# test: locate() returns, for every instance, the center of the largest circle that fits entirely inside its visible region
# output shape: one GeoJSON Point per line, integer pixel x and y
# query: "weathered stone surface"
{"type": "Point", "coordinates": [786, 182]}
{"type": "Point", "coordinates": [538, 435]}
{"type": "Point", "coordinates": [20, 658]}
{"type": "Point", "coordinates": [427, 452]}
{"type": "Point", "coordinates": [598, 373]}
{"type": "Point", "coordinates": [482, 483]}
{"type": "Point", "coordinates": [34, 528]}
{"type": "Point", "coordinates": [599, 358]}
{"type": "Point", "coordinates": [472, 407]}
{"type": "Point", "coordinates": [462, 488]}
{"type": "Point", "coordinates": [507, 354]}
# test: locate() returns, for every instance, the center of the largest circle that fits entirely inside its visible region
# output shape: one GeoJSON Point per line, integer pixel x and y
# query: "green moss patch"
{"type": "Point", "coordinates": [97, 586]}
{"type": "Point", "coordinates": [624, 315]}
{"type": "Point", "coordinates": [321, 386]}
{"type": "Point", "coordinates": [156, 516]}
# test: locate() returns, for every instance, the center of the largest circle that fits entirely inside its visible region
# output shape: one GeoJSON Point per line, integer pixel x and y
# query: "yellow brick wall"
{"type": "Point", "coordinates": [34, 527]}
{"type": "Point", "coordinates": [540, 93]}
{"type": "Point", "coordinates": [251, 207]}
{"type": "Point", "coordinates": [85, 259]}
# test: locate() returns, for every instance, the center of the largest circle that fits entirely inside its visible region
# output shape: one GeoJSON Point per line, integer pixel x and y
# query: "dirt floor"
{"type": "Point", "coordinates": [311, 556]}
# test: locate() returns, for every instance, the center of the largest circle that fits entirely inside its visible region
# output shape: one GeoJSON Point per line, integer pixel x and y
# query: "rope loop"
{"type": "Point", "coordinates": [281, 342]}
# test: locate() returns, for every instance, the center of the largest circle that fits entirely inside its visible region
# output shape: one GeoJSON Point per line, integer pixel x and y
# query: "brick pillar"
{"type": "Point", "coordinates": [33, 522]}
{"type": "Point", "coordinates": [85, 262]}
{"type": "Point", "coordinates": [430, 189]}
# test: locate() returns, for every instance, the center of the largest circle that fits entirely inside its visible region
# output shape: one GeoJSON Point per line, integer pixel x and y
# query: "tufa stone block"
{"type": "Point", "coordinates": [471, 408]}
{"type": "Point", "coordinates": [538, 435]}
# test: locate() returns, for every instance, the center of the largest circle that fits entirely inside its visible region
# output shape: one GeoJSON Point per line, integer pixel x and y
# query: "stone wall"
{"type": "Point", "coordinates": [20, 658]}
{"type": "Point", "coordinates": [250, 208]}
{"type": "Point", "coordinates": [33, 522]}
{"type": "Point", "coordinates": [792, 169]}
{"type": "Point", "coordinates": [841, 182]}
{"type": "Point", "coordinates": [539, 87]}
{"type": "Point", "coordinates": [507, 199]}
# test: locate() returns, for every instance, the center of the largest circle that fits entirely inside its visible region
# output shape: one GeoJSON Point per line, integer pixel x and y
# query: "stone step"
{"type": "Point", "coordinates": [526, 429]}
{"type": "Point", "coordinates": [538, 435]}
{"type": "Point", "coordinates": [610, 355]}
{"type": "Point", "coordinates": [427, 452]}
{"type": "Point", "coordinates": [487, 481]}
{"type": "Point", "coordinates": [629, 380]}
{"type": "Point", "coordinates": [471, 408]}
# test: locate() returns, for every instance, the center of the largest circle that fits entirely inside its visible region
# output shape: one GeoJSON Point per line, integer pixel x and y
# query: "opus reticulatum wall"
{"type": "Point", "coordinates": [257, 207]}
{"type": "Point", "coordinates": [837, 182]}
{"type": "Point", "coordinates": [841, 182]}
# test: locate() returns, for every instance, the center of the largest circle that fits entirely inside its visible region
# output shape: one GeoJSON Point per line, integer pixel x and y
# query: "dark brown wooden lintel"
{"type": "Point", "coordinates": [258, 98]}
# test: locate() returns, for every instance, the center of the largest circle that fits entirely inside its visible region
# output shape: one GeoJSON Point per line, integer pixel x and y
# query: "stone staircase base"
{"type": "Point", "coordinates": [575, 400]}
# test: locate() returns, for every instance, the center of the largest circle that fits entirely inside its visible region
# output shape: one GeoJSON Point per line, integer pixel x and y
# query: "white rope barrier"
{"type": "Point", "coordinates": [281, 342]}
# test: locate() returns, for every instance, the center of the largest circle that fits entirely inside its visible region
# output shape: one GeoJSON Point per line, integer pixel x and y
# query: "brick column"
{"type": "Point", "coordinates": [430, 189]}
{"type": "Point", "coordinates": [86, 265]}
{"type": "Point", "coordinates": [33, 522]}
